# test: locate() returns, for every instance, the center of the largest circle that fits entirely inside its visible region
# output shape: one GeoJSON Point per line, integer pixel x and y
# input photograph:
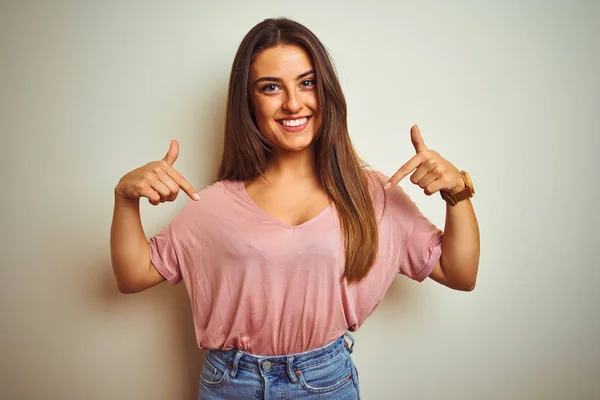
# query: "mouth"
{"type": "Point", "coordinates": [294, 124]}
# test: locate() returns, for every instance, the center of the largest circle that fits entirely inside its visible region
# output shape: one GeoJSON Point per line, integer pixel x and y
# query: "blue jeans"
{"type": "Point", "coordinates": [327, 372]}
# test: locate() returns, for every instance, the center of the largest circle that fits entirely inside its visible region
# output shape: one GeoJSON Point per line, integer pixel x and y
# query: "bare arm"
{"type": "Point", "coordinates": [459, 262]}
{"type": "Point", "coordinates": [130, 254]}
{"type": "Point", "coordinates": [159, 182]}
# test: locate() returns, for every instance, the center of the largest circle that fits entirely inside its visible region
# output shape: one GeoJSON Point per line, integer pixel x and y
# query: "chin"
{"type": "Point", "coordinates": [293, 146]}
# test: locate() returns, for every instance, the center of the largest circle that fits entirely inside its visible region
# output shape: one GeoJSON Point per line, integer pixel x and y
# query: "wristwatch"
{"type": "Point", "coordinates": [466, 193]}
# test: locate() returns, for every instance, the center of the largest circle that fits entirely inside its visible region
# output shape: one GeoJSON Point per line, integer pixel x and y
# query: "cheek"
{"type": "Point", "coordinates": [265, 108]}
{"type": "Point", "coordinates": [312, 100]}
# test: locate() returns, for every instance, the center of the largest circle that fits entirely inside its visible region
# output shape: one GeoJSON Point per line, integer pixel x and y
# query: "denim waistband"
{"type": "Point", "coordinates": [267, 365]}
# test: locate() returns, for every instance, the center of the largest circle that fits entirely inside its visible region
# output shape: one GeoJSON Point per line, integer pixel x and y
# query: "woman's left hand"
{"type": "Point", "coordinates": [433, 172]}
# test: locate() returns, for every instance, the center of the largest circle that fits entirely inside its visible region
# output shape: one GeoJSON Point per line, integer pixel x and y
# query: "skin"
{"type": "Point", "coordinates": [283, 86]}
{"type": "Point", "coordinates": [159, 182]}
{"type": "Point", "coordinates": [290, 191]}
{"type": "Point", "coordinates": [459, 262]}
{"type": "Point", "coordinates": [290, 95]}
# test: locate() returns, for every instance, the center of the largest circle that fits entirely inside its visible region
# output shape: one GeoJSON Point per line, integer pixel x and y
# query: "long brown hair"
{"type": "Point", "coordinates": [341, 171]}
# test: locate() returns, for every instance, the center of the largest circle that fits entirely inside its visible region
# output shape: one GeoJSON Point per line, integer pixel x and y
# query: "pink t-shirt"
{"type": "Point", "coordinates": [269, 288]}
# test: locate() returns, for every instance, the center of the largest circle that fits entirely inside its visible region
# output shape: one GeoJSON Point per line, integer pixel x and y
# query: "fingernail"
{"type": "Point", "coordinates": [196, 196]}
{"type": "Point", "coordinates": [388, 185]}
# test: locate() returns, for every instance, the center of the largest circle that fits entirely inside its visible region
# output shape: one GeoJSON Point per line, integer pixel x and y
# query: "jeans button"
{"type": "Point", "coordinates": [266, 365]}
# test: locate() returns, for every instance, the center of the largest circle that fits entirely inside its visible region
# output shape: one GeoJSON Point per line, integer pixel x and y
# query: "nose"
{"type": "Point", "coordinates": [292, 103]}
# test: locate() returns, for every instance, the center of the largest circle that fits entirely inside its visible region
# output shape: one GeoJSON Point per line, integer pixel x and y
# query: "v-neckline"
{"type": "Point", "coordinates": [246, 195]}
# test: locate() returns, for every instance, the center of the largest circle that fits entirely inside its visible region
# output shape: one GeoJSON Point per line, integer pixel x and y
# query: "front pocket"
{"type": "Point", "coordinates": [213, 376]}
{"type": "Point", "coordinates": [326, 377]}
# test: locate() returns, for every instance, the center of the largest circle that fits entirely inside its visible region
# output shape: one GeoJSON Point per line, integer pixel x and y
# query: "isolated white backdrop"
{"type": "Point", "coordinates": [506, 90]}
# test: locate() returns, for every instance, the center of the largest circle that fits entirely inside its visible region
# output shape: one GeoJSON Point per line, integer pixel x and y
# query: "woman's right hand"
{"type": "Point", "coordinates": [157, 181]}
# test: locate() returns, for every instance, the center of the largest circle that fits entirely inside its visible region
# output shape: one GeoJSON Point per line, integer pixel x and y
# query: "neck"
{"type": "Point", "coordinates": [285, 166]}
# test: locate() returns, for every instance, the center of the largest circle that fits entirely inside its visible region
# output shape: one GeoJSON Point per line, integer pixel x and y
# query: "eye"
{"type": "Point", "coordinates": [269, 88]}
{"type": "Point", "coordinates": [308, 83]}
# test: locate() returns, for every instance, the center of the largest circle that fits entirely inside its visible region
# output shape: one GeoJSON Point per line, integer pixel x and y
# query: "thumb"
{"type": "Point", "coordinates": [417, 139]}
{"type": "Point", "coordinates": [173, 153]}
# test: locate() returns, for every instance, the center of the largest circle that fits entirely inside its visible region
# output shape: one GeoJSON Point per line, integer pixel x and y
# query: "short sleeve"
{"type": "Point", "coordinates": [424, 247]}
{"type": "Point", "coordinates": [422, 239]}
{"type": "Point", "coordinates": [164, 255]}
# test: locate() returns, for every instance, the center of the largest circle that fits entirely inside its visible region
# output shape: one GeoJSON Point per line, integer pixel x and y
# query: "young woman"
{"type": "Point", "coordinates": [297, 241]}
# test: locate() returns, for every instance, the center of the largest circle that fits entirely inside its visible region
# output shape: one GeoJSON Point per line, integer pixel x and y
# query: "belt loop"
{"type": "Point", "coordinates": [351, 346]}
{"type": "Point", "coordinates": [290, 371]}
{"type": "Point", "coordinates": [234, 363]}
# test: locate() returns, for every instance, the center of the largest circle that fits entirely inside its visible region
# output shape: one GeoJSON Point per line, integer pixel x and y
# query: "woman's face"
{"type": "Point", "coordinates": [283, 97]}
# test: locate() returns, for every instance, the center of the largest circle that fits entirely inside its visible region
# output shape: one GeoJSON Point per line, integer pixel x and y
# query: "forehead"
{"type": "Point", "coordinates": [286, 62]}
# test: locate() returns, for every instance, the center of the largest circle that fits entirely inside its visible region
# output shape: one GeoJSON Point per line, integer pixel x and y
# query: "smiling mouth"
{"type": "Point", "coordinates": [291, 123]}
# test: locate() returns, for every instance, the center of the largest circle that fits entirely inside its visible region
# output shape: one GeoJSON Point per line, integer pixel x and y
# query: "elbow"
{"type": "Point", "coordinates": [467, 285]}
{"type": "Point", "coordinates": [462, 286]}
{"type": "Point", "coordinates": [128, 287]}
{"type": "Point", "coordinates": [127, 281]}
{"type": "Point", "coordinates": [463, 279]}
{"type": "Point", "coordinates": [464, 283]}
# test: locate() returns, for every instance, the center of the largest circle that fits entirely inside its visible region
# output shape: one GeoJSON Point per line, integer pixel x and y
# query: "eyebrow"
{"type": "Point", "coordinates": [273, 79]}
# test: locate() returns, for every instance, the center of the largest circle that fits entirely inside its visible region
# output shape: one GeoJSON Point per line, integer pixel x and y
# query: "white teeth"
{"type": "Point", "coordinates": [294, 122]}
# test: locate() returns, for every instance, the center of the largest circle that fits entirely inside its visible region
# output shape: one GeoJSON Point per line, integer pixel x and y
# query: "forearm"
{"type": "Point", "coordinates": [129, 250]}
{"type": "Point", "coordinates": [460, 245]}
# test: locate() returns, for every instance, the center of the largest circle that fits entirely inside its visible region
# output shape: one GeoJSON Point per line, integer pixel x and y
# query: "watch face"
{"type": "Point", "coordinates": [469, 183]}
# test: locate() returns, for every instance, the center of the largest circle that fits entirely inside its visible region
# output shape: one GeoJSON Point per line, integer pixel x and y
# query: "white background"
{"type": "Point", "coordinates": [508, 91]}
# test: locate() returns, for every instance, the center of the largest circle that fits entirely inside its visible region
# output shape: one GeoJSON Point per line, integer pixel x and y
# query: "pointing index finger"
{"type": "Point", "coordinates": [404, 170]}
{"type": "Point", "coordinates": [183, 183]}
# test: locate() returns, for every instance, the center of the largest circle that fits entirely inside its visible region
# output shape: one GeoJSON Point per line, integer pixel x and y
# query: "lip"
{"type": "Point", "coordinates": [294, 129]}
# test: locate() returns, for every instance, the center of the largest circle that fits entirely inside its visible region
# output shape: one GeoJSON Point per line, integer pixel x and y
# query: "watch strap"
{"type": "Point", "coordinates": [467, 192]}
